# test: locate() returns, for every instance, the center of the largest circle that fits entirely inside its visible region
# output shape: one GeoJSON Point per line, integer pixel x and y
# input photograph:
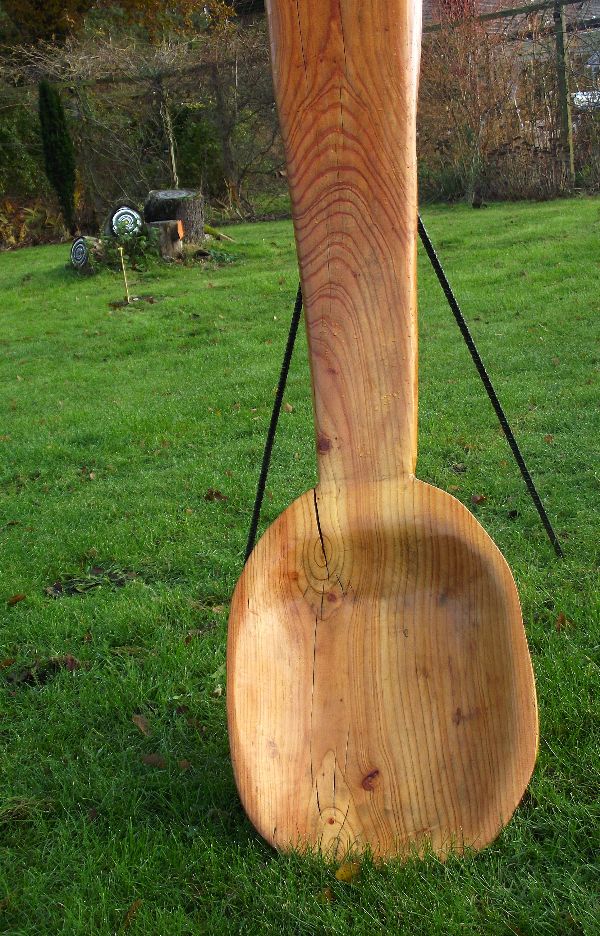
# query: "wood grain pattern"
{"type": "Point", "coordinates": [380, 691]}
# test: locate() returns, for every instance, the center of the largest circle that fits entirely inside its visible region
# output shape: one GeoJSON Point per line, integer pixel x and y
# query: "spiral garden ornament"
{"type": "Point", "coordinates": [80, 253]}
{"type": "Point", "coordinates": [126, 220]}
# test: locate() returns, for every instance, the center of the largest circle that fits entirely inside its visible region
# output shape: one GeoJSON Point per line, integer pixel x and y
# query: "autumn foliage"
{"type": "Point", "coordinates": [56, 19]}
{"type": "Point", "coordinates": [52, 19]}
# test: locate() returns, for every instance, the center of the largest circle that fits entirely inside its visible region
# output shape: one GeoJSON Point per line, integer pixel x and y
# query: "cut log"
{"type": "Point", "coordinates": [85, 251]}
{"type": "Point", "coordinates": [170, 238]}
{"type": "Point", "coordinates": [180, 204]}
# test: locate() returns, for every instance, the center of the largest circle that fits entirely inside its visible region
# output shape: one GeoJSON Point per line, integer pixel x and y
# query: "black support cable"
{"type": "Point", "coordinates": [464, 328]}
{"type": "Point", "coordinates": [264, 471]}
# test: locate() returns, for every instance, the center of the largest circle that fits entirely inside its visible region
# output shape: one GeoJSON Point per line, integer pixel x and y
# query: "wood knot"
{"type": "Point", "coordinates": [323, 444]}
{"type": "Point", "coordinates": [459, 716]}
{"type": "Point", "coordinates": [370, 781]}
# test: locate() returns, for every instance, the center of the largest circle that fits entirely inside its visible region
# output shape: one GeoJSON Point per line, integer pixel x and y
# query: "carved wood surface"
{"type": "Point", "coordinates": [380, 690]}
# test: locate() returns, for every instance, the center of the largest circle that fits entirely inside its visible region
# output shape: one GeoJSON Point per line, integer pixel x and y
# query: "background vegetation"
{"type": "Point", "coordinates": [140, 79]}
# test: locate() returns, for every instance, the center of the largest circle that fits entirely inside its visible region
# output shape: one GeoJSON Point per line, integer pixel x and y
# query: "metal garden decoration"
{"type": "Point", "coordinates": [126, 220]}
{"type": "Point", "coordinates": [80, 254]}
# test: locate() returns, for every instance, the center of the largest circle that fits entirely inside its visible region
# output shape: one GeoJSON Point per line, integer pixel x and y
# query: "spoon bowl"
{"type": "Point", "coordinates": [380, 691]}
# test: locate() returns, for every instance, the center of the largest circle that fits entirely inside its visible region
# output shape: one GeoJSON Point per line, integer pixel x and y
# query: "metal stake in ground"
{"type": "Point", "coordinates": [127, 296]}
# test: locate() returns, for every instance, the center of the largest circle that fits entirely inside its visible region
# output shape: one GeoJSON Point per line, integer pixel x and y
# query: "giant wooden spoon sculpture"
{"type": "Point", "coordinates": [380, 690]}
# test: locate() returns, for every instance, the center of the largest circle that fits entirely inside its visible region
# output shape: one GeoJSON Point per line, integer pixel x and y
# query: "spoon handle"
{"type": "Point", "coordinates": [346, 78]}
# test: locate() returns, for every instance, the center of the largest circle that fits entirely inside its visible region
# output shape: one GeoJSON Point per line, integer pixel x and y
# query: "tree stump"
{"type": "Point", "coordinates": [170, 235]}
{"type": "Point", "coordinates": [183, 205]}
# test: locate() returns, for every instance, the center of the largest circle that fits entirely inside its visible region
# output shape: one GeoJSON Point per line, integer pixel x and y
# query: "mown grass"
{"type": "Point", "coordinates": [115, 425]}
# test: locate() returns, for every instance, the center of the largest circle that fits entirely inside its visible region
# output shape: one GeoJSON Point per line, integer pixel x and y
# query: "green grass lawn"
{"type": "Point", "coordinates": [115, 427]}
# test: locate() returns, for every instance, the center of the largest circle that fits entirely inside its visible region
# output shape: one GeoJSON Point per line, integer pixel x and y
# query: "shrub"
{"type": "Point", "coordinates": [140, 249]}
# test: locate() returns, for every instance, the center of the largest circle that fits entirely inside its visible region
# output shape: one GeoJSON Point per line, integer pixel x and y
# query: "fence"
{"type": "Point", "coordinates": [510, 102]}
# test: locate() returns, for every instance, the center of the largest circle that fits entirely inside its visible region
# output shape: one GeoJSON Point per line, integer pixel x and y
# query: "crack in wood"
{"type": "Point", "coordinates": [312, 700]}
{"type": "Point", "coordinates": [320, 531]}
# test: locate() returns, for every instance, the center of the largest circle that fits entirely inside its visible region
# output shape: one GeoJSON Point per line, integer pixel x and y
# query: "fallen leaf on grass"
{"type": "Point", "coordinates": [478, 499]}
{"type": "Point", "coordinates": [154, 760]}
{"type": "Point", "coordinates": [326, 896]}
{"type": "Point", "coordinates": [4, 664]}
{"type": "Point", "coordinates": [458, 468]}
{"type": "Point", "coordinates": [214, 495]}
{"type": "Point", "coordinates": [15, 599]}
{"type": "Point", "coordinates": [184, 764]}
{"type": "Point", "coordinates": [562, 622]}
{"type": "Point", "coordinates": [135, 906]}
{"type": "Point", "coordinates": [142, 723]}
{"type": "Point", "coordinates": [288, 407]}
{"type": "Point", "coordinates": [196, 632]}
{"type": "Point", "coordinates": [348, 872]}
{"type": "Point", "coordinates": [549, 439]}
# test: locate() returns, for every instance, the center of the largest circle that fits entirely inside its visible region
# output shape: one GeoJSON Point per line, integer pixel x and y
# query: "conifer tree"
{"type": "Point", "coordinates": [59, 155]}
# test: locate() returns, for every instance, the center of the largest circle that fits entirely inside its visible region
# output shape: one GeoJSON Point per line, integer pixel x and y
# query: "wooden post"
{"type": "Point", "coordinates": [564, 97]}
